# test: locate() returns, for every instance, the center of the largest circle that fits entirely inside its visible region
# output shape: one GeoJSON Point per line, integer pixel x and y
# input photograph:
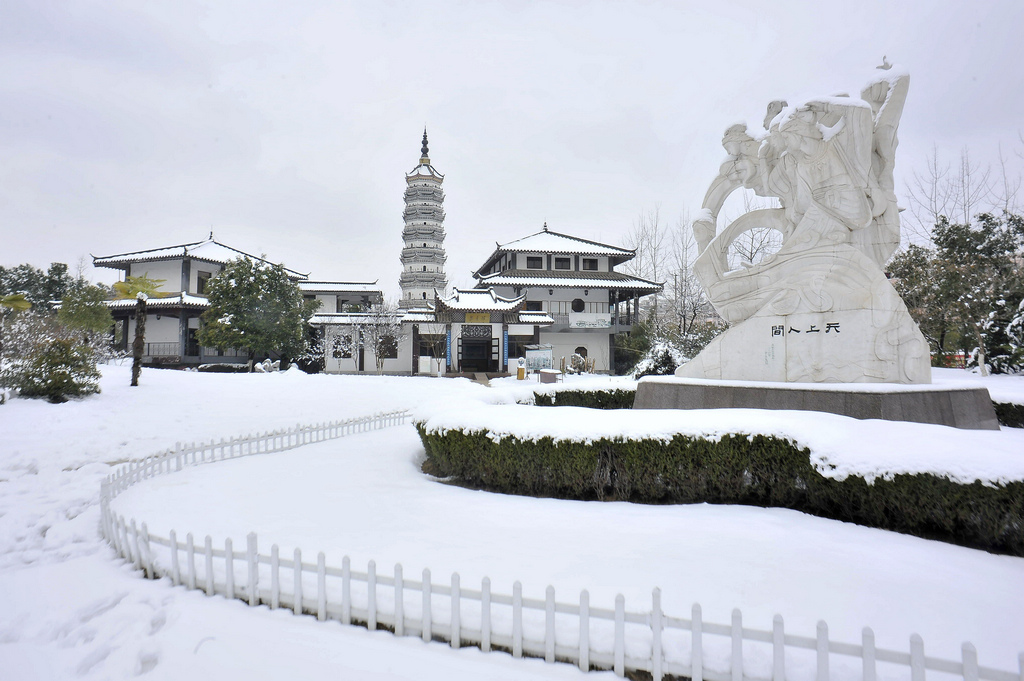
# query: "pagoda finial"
{"type": "Point", "coordinates": [424, 157]}
{"type": "Point", "coordinates": [545, 225]}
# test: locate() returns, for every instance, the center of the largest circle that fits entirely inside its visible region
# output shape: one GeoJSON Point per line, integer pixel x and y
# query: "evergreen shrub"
{"type": "Point", "coordinates": [224, 368]}
{"type": "Point", "coordinates": [595, 399]}
{"type": "Point", "coordinates": [1011, 415]}
{"type": "Point", "coordinates": [755, 470]}
{"type": "Point", "coordinates": [59, 368]}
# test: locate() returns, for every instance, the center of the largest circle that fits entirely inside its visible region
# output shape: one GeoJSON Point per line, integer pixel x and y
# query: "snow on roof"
{"type": "Point", "coordinates": [556, 279]}
{"type": "Point", "coordinates": [553, 242]}
{"type": "Point", "coordinates": [173, 300]}
{"type": "Point", "coordinates": [209, 250]}
{"type": "Point", "coordinates": [535, 317]}
{"type": "Point", "coordinates": [424, 170]}
{"type": "Point", "coordinates": [339, 286]}
{"type": "Point", "coordinates": [480, 299]}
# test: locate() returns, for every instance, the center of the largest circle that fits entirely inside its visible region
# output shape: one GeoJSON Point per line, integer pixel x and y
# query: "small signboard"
{"type": "Point", "coordinates": [478, 317]}
{"type": "Point", "coordinates": [538, 357]}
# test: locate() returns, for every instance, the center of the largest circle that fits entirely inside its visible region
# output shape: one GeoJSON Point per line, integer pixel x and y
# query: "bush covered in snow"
{"type": "Point", "coordinates": [760, 470]}
{"type": "Point", "coordinates": [662, 359]}
{"type": "Point", "coordinates": [608, 398]}
{"type": "Point", "coordinates": [1011, 415]}
{"type": "Point", "coordinates": [41, 357]}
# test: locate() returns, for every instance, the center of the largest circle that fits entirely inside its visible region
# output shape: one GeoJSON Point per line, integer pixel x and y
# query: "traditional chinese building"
{"type": "Point", "coordinates": [172, 318]}
{"type": "Point", "coordinates": [574, 281]}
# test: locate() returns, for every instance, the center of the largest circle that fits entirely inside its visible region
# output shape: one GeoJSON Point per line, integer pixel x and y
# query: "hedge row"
{"type": "Point", "coordinates": [754, 470]}
{"type": "Point", "coordinates": [617, 398]}
{"type": "Point", "coordinates": [1010, 415]}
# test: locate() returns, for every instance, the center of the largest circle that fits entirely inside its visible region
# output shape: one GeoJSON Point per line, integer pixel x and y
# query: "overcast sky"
{"type": "Point", "coordinates": [287, 128]}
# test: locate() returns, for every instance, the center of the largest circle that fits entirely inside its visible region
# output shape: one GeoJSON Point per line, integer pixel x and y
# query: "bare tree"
{"type": "Point", "coordinates": [647, 238]}
{"type": "Point", "coordinates": [435, 336]}
{"type": "Point", "coordinates": [383, 333]}
{"type": "Point", "coordinates": [686, 297]}
{"type": "Point", "coordinates": [959, 194]}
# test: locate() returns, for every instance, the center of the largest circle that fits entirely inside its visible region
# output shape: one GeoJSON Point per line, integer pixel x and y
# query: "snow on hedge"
{"type": "Point", "coordinates": [840, 446]}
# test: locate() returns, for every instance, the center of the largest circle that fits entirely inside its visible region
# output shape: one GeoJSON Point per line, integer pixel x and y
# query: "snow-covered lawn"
{"type": "Point", "coordinates": [67, 609]}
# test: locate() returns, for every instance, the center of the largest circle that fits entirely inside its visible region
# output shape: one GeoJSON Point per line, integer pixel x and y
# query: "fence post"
{"type": "Point", "coordinates": [620, 636]}
{"type": "Point", "coordinates": [916, 658]}
{"type": "Point", "coordinates": [371, 595]}
{"type": "Point", "coordinates": [147, 554]}
{"type": "Point", "coordinates": [209, 565]}
{"type": "Point", "coordinates": [297, 584]}
{"type": "Point", "coordinates": [584, 631]}
{"type": "Point", "coordinates": [456, 617]}
{"type": "Point", "coordinates": [485, 615]}
{"type": "Point", "coordinates": [229, 569]}
{"type": "Point", "coordinates": [175, 567]}
{"type": "Point", "coordinates": [517, 619]}
{"type": "Point", "coordinates": [399, 601]}
{"type": "Point", "coordinates": [321, 586]}
{"type": "Point", "coordinates": [697, 646]}
{"type": "Point", "coordinates": [656, 625]}
{"type": "Point", "coordinates": [136, 552]}
{"type": "Point", "coordinates": [254, 568]}
{"type": "Point", "coordinates": [549, 624]}
{"type": "Point", "coordinates": [346, 591]}
{"type": "Point", "coordinates": [190, 556]}
{"type": "Point", "coordinates": [822, 648]}
{"type": "Point", "coordinates": [778, 649]}
{"type": "Point", "coordinates": [737, 645]}
{"type": "Point", "coordinates": [970, 659]}
{"type": "Point", "coordinates": [426, 605]}
{"type": "Point", "coordinates": [868, 648]}
{"type": "Point", "coordinates": [275, 577]}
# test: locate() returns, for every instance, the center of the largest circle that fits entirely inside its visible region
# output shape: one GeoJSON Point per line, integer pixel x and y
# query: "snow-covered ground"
{"type": "Point", "coordinates": [67, 610]}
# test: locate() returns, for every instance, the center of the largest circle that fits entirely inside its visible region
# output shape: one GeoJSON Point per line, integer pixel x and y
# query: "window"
{"type": "Point", "coordinates": [563, 263]}
{"type": "Point", "coordinates": [535, 305]}
{"type": "Point", "coordinates": [578, 305]}
{"type": "Point", "coordinates": [388, 347]}
{"type": "Point", "coordinates": [342, 347]}
{"type": "Point", "coordinates": [534, 262]}
{"type": "Point", "coordinates": [201, 279]}
{"type": "Point", "coordinates": [424, 268]}
{"type": "Point", "coordinates": [581, 351]}
{"type": "Point", "coordinates": [590, 264]}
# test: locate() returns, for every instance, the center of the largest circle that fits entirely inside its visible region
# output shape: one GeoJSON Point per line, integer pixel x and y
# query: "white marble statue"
{"type": "Point", "coordinates": [820, 309]}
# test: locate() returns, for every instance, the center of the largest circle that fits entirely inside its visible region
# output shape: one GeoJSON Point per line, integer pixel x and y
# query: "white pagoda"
{"type": "Point", "coordinates": [423, 256]}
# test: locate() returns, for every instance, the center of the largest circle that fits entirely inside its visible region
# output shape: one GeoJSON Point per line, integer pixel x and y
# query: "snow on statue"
{"type": "Point", "coordinates": [820, 309]}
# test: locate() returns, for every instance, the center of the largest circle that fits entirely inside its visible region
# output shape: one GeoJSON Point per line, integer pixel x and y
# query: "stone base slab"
{"type": "Point", "coordinates": [968, 408]}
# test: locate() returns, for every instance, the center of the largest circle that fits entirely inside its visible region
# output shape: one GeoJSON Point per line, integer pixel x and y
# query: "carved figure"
{"type": "Point", "coordinates": [820, 309]}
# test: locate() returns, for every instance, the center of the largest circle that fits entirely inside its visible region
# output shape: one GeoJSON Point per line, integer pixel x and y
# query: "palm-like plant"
{"type": "Point", "coordinates": [15, 301]}
{"type": "Point", "coordinates": [141, 288]}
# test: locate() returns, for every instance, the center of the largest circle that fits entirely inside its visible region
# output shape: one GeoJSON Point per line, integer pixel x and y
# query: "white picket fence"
{"type": "Point", "coordinates": [589, 637]}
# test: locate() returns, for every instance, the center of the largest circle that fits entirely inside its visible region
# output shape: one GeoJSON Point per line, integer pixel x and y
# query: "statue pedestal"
{"type": "Point", "coordinates": [968, 407]}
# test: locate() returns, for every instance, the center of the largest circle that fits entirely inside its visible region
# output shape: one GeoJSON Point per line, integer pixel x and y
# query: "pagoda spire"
{"type": "Point", "coordinates": [424, 157]}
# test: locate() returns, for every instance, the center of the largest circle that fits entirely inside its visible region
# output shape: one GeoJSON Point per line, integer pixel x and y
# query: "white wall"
{"type": "Point", "coordinates": [198, 266]}
{"type": "Point", "coordinates": [163, 330]}
{"type": "Point", "coordinates": [564, 344]}
{"type": "Point", "coordinates": [169, 270]}
{"type": "Point", "coordinates": [349, 365]}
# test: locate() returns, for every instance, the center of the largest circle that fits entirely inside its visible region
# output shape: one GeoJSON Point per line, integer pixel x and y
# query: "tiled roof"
{"type": "Point", "coordinates": [553, 242]}
{"type": "Point", "coordinates": [339, 286]}
{"type": "Point", "coordinates": [480, 299]}
{"type": "Point", "coordinates": [568, 279]}
{"type": "Point", "coordinates": [208, 250]}
{"type": "Point", "coordinates": [173, 300]}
